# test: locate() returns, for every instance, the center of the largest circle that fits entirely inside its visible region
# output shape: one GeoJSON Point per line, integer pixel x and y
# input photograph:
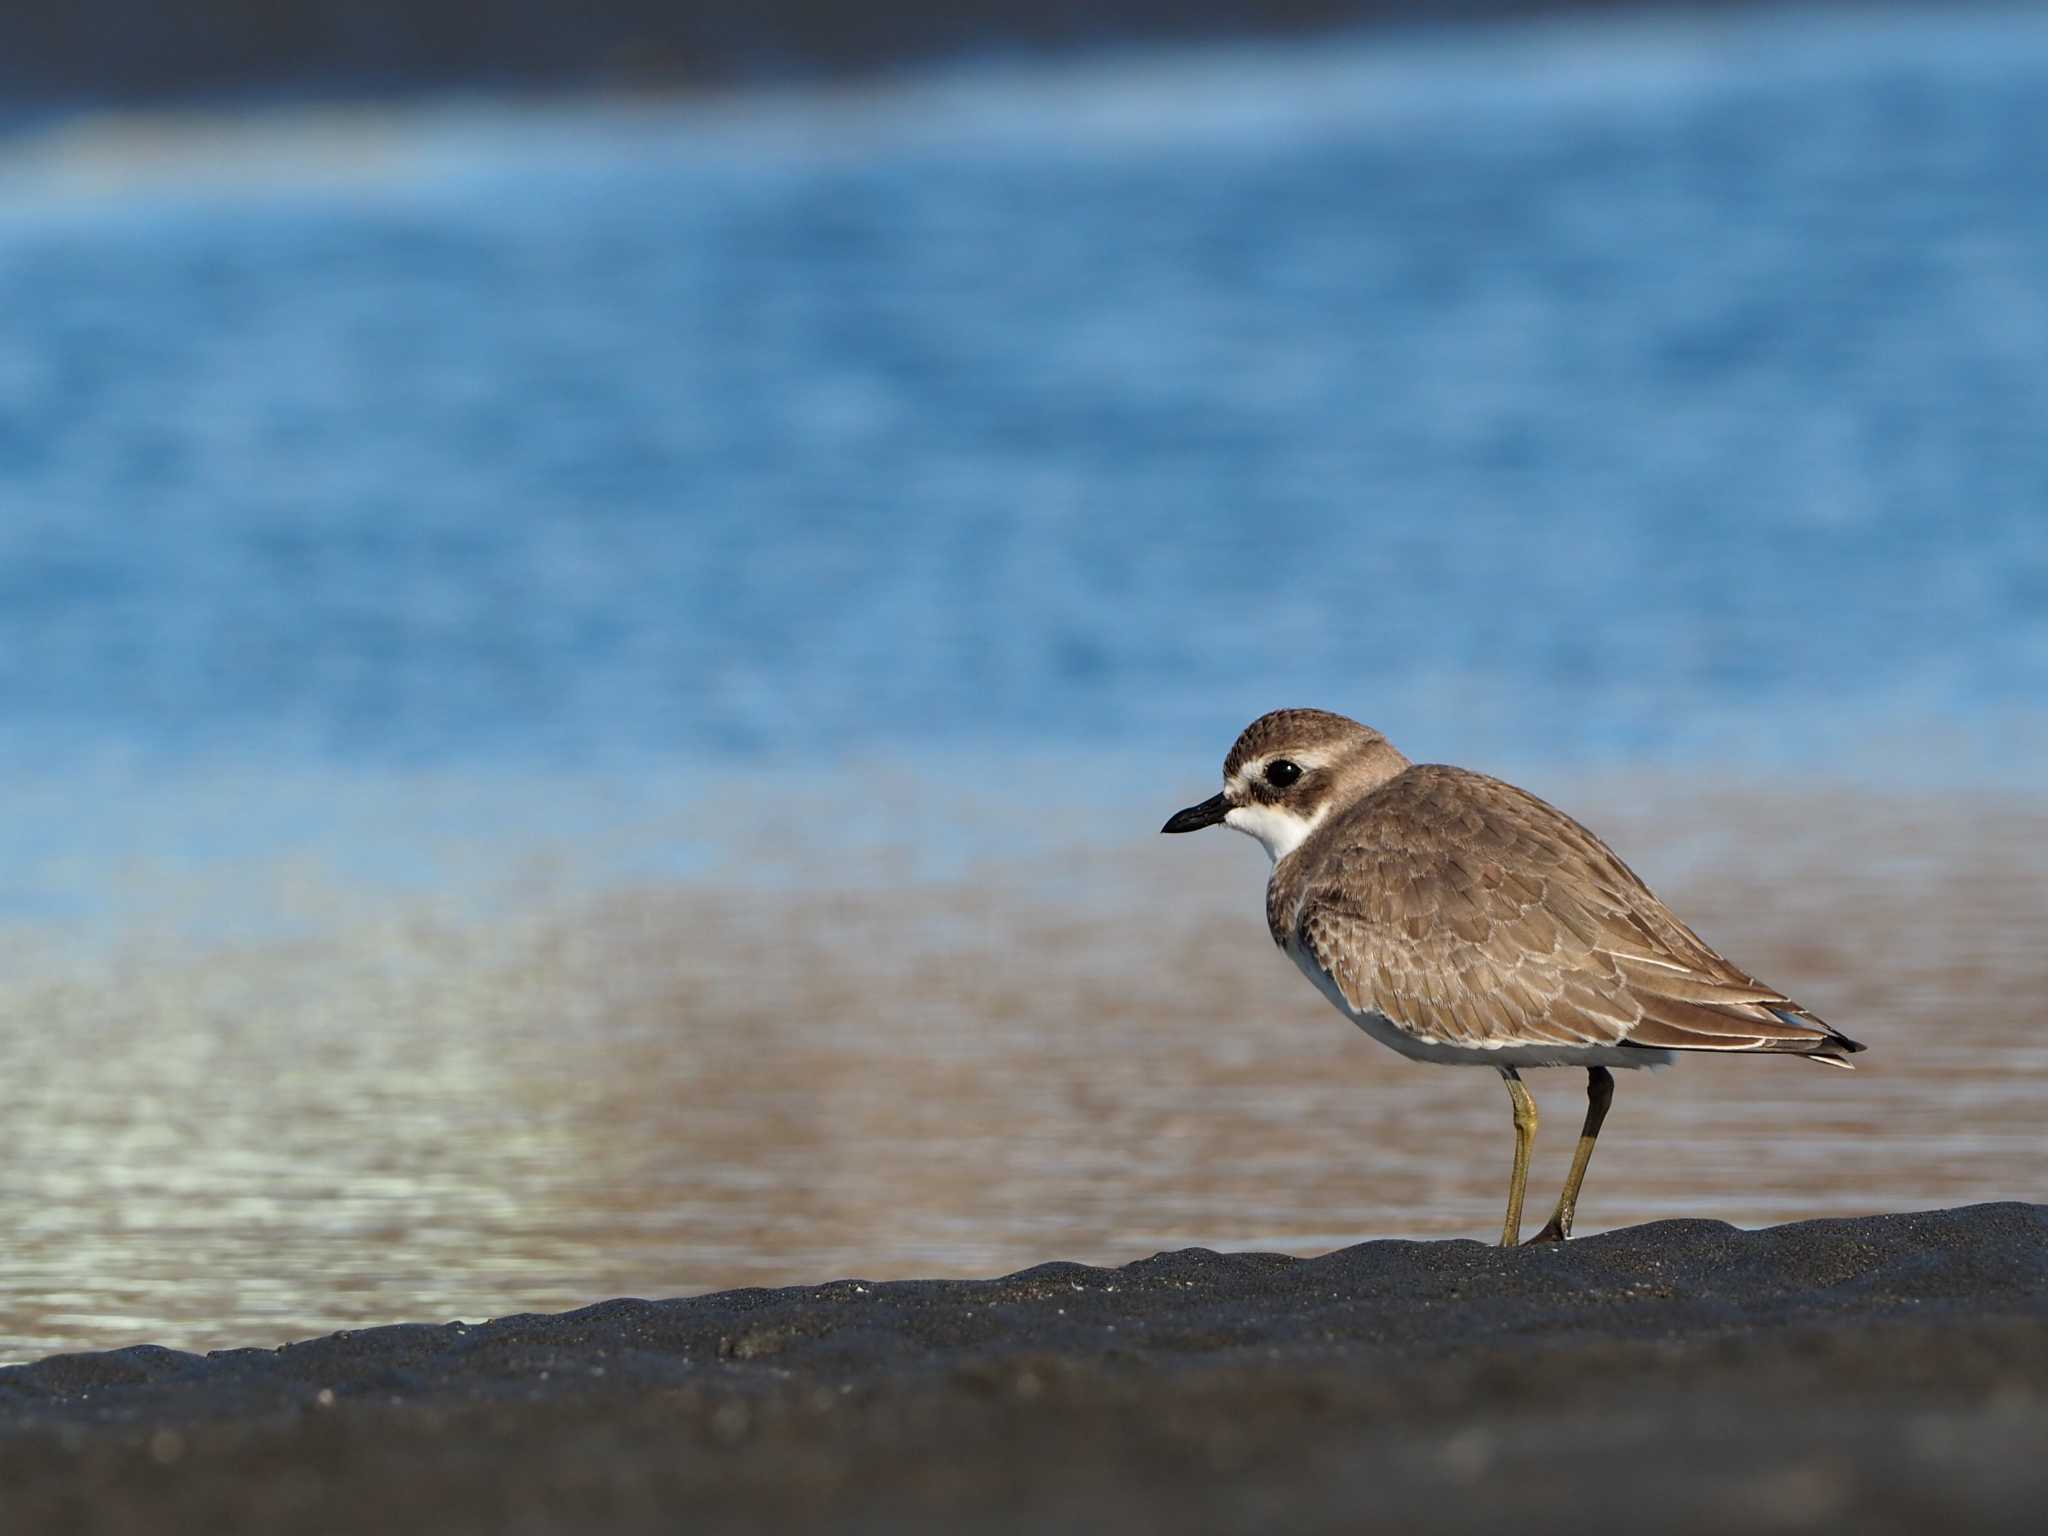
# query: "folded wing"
{"type": "Point", "coordinates": [1468, 912]}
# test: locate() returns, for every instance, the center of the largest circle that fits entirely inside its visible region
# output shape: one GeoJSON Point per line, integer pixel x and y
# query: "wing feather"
{"type": "Point", "coordinates": [1465, 911]}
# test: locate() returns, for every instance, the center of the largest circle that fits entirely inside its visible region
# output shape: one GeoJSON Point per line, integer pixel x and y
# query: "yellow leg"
{"type": "Point", "coordinates": [1599, 1094]}
{"type": "Point", "coordinates": [1525, 1137]}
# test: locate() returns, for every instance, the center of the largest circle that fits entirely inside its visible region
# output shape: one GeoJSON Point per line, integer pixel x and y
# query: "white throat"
{"type": "Point", "coordinates": [1279, 831]}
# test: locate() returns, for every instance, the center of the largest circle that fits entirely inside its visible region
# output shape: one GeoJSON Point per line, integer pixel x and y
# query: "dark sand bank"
{"type": "Point", "coordinates": [112, 51]}
{"type": "Point", "coordinates": [1885, 1373]}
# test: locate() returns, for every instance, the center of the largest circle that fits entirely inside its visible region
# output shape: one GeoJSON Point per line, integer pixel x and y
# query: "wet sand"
{"type": "Point", "coordinates": [1882, 1374]}
{"type": "Point", "coordinates": [776, 1072]}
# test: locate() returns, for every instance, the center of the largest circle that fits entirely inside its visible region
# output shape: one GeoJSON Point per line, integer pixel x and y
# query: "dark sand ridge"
{"type": "Point", "coordinates": [1095, 1056]}
{"type": "Point", "coordinates": [1883, 1374]}
{"type": "Point", "coordinates": [120, 50]}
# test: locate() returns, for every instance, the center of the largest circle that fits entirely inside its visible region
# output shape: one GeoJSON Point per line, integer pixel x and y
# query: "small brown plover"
{"type": "Point", "coordinates": [1459, 919]}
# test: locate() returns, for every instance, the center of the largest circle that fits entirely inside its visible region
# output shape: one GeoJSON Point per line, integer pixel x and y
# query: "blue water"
{"type": "Point", "coordinates": [1592, 394]}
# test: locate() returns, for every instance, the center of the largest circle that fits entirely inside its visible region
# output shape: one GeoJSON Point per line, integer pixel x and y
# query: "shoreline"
{"type": "Point", "coordinates": [1868, 1372]}
{"type": "Point", "coordinates": [542, 1080]}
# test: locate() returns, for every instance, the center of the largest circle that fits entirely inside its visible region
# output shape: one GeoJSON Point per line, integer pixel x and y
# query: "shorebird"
{"type": "Point", "coordinates": [1459, 919]}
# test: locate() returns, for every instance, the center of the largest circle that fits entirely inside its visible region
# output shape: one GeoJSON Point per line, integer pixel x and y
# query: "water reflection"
{"type": "Point", "coordinates": [658, 1088]}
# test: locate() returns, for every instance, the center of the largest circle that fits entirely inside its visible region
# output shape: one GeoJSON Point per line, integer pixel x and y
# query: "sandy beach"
{"type": "Point", "coordinates": [1878, 1374]}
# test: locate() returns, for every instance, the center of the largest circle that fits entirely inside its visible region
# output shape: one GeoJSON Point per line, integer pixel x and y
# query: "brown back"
{"type": "Point", "coordinates": [1467, 911]}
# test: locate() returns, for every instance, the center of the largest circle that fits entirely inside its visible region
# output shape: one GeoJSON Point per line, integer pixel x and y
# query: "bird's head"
{"type": "Point", "coordinates": [1287, 772]}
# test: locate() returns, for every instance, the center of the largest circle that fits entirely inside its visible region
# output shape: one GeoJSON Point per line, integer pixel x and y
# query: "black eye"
{"type": "Point", "coordinates": [1280, 773]}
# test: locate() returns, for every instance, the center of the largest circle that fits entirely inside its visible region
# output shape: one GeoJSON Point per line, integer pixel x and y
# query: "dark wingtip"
{"type": "Point", "coordinates": [1836, 1050]}
{"type": "Point", "coordinates": [1832, 1041]}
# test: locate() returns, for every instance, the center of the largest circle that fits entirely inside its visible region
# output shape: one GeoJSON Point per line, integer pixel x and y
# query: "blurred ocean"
{"type": "Point", "coordinates": [410, 500]}
{"type": "Point", "coordinates": [1592, 394]}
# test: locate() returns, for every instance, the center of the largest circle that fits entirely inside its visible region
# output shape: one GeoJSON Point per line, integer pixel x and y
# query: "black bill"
{"type": "Point", "coordinates": [1196, 817]}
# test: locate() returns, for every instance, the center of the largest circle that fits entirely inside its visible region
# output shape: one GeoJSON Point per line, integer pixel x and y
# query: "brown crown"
{"type": "Point", "coordinates": [1295, 728]}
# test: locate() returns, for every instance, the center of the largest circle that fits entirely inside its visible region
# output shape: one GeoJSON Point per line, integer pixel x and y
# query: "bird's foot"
{"type": "Point", "coordinates": [1553, 1232]}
